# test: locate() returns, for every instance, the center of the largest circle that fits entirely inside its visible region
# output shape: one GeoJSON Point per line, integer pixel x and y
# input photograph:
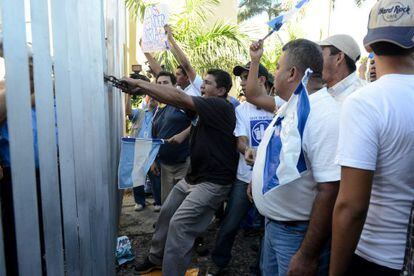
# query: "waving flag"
{"type": "Point", "coordinates": [137, 156]}
{"type": "Point", "coordinates": [277, 22]}
{"type": "Point", "coordinates": [280, 158]}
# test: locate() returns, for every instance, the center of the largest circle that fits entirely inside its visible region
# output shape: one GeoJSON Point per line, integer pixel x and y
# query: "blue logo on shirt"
{"type": "Point", "coordinates": [257, 130]}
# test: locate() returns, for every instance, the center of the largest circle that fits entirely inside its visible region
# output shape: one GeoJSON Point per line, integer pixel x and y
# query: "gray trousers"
{"type": "Point", "coordinates": [186, 213]}
{"type": "Point", "coordinates": [170, 175]}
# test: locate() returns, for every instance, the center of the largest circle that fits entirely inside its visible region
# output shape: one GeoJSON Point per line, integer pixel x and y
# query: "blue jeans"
{"type": "Point", "coordinates": [281, 241]}
{"type": "Point", "coordinates": [139, 192]}
{"type": "Point", "coordinates": [237, 207]}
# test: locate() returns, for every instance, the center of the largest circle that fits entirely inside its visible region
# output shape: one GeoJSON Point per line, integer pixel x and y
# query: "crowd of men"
{"type": "Point", "coordinates": [347, 207]}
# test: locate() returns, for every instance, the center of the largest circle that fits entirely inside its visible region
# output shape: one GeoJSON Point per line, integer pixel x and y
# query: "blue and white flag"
{"type": "Point", "coordinates": [280, 159]}
{"type": "Point", "coordinates": [137, 156]}
{"type": "Point", "coordinates": [277, 22]}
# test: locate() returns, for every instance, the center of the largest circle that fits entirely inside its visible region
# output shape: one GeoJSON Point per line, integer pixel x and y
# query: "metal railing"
{"type": "Point", "coordinates": [66, 219]}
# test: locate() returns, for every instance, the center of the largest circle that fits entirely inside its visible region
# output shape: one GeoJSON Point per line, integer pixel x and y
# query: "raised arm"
{"type": "Point", "coordinates": [155, 66]}
{"type": "Point", "coordinates": [180, 55]}
{"type": "Point", "coordinates": [162, 93]}
{"type": "Point", "coordinates": [254, 94]}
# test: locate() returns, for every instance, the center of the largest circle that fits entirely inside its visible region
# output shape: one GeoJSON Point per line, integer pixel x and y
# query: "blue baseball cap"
{"type": "Point", "coordinates": [391, 21]}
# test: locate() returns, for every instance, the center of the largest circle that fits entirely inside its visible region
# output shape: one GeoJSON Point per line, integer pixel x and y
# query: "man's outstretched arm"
{"type": "Point", "coordinates": [254, 94]}
{"type": "Point", "coordinates": [349, 216]}
{"type": "Point", "coordinates": [180, 55]}
{"type": "Point", "coordinates": [162, 93]}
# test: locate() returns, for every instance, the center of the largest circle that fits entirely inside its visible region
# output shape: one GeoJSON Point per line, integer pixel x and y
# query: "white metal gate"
{"type": "Point", "coordinates": [73, 43]}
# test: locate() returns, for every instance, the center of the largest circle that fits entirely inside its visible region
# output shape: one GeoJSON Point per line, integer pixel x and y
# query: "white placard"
{"type": "Point", "coordinates": [153, 34]}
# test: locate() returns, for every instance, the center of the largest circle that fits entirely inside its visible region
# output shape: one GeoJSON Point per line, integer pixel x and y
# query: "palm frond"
{"type": "Point", "coordinates": [251, 8]}
{"type": "Point", "coordinates": [136, 8]}
{"type": "Point", "coordinates": [248, 13]}
{"type": "Point", "coordinates": [220, 46]}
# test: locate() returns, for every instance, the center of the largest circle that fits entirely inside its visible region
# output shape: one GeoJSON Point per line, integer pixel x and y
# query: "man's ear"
{"type": "Point", "coordinates": [340, 58]}
{"type": "Point", "coordinates": [293, 74]}
{"type": "Point", "coordinates": [222, 91]}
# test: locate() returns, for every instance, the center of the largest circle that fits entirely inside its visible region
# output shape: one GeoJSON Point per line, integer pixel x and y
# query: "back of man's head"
{"type": "Point", "coordinates": [391, 28]}
{"type": "Point", "coordinates": [182, 69]}
{"type": "Point", "coordinates": [303, 54]}
{"type": "Point", "coordinates": [222, 78]}
{"type": "Point", "coordinates": [167, 74]}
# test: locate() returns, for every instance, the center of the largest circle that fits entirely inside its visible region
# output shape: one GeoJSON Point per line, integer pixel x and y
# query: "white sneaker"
{"type": "Point", "coordinates": [138, 207]}
{"type": "Point", "coordinates": [157, 208]}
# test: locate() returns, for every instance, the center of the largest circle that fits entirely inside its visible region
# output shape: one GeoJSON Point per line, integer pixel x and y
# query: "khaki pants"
{"type": "Point", "coordinates": [186, 213]}
{"type": "Point", "coordinates": [170, 175]}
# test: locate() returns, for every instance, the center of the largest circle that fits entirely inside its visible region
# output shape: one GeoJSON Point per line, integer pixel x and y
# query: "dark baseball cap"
{"type": "Point", "coordinates": [391, 21]}
{"type": "Point", "coordinates": [238, 70]}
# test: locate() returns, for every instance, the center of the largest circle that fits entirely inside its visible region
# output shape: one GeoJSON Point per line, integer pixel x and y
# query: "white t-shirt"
{"type": "Point", "coordinates": [346, 87]}
{"type": "Point", "coordinates": [279, 101]}
{"type": "Point", "coordinates": [293, 201]}
{"type": "Point", "coordinates": [252, 123]}
{"type": "Point", "coordinates": [194, 88]}
{"type": "Point", "coordinates": [377, 134]}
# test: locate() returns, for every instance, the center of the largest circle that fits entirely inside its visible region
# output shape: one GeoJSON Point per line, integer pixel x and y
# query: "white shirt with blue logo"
{"type": "Point", "coordinates": [293, 201]}
{"type": "Point", "coordinates": [252, 123]}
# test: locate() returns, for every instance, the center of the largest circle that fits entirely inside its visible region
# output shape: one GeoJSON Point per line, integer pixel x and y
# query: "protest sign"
{"type": "Point", "coordinates": [153, 34]}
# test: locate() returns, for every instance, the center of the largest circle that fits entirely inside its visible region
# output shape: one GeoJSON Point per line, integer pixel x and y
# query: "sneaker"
{"type": "Point", "coordinates": [157, 208]}
{"type": "Point", "coordinates": [138, 207]}
{"type": "Point", "coordinates": [146, 266]}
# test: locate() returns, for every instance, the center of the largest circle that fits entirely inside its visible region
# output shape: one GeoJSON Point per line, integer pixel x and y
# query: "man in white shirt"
{"type": "Point", "coordinates": [340, 53]}
{"type": "Point", "coordinates": [250, 127]}
{"type": "Point", "coordinates": [376, 152]}
{"type": "Point", "coordinates": [298, 214]}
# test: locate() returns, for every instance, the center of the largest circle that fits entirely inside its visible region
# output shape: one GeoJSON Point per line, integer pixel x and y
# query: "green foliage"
{"type": "Point", "coordinates": [194, 11]}
{"type": "Point", "coordinates": [136, 101]}
{"type": "Point", "coordinates": [137, 8]}
{"type": "Point", "coordinates": [363, 60]}
{"type": "Point", "coordinates": [207, 46]}
{"type": "Point", "coordinates": [271, 57]}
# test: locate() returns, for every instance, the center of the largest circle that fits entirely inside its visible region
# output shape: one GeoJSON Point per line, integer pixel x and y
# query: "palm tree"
{"type": "Point", "coordinates": [137, 8]}
{"type": "Point", "coordinates": [218, 46]}
{"type": "Point", "coordinates": [251, 8]}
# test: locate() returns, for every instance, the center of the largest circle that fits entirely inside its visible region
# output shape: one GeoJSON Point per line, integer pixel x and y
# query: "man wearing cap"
{"type": "Point", "coordinates": [298, 211]}
{"type": "Point", "coordinates": [376, 152]}
{"type": "Point", "coordinates": [250, 126]}
{"type": "Point", "coordinates": [340, 53]}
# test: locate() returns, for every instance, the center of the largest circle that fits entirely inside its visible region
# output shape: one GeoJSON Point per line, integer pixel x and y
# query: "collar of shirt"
{"type": "Point", "coordinates": [344, 84]}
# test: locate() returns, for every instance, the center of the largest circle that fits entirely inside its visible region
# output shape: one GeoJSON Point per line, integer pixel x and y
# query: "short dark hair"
{"type": "Point", "coordinates": [222, 78]}
{"type": "Point", "coordinates": [389, 49]}
{"type": "Point", "coordinates": [304, 54]}
{"type": "Point", "coordinates": [350, 64]}
{"type": "Point", "coordinates": [182, 69]}
{"type": "Point", "coordinates": [167, 74]}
